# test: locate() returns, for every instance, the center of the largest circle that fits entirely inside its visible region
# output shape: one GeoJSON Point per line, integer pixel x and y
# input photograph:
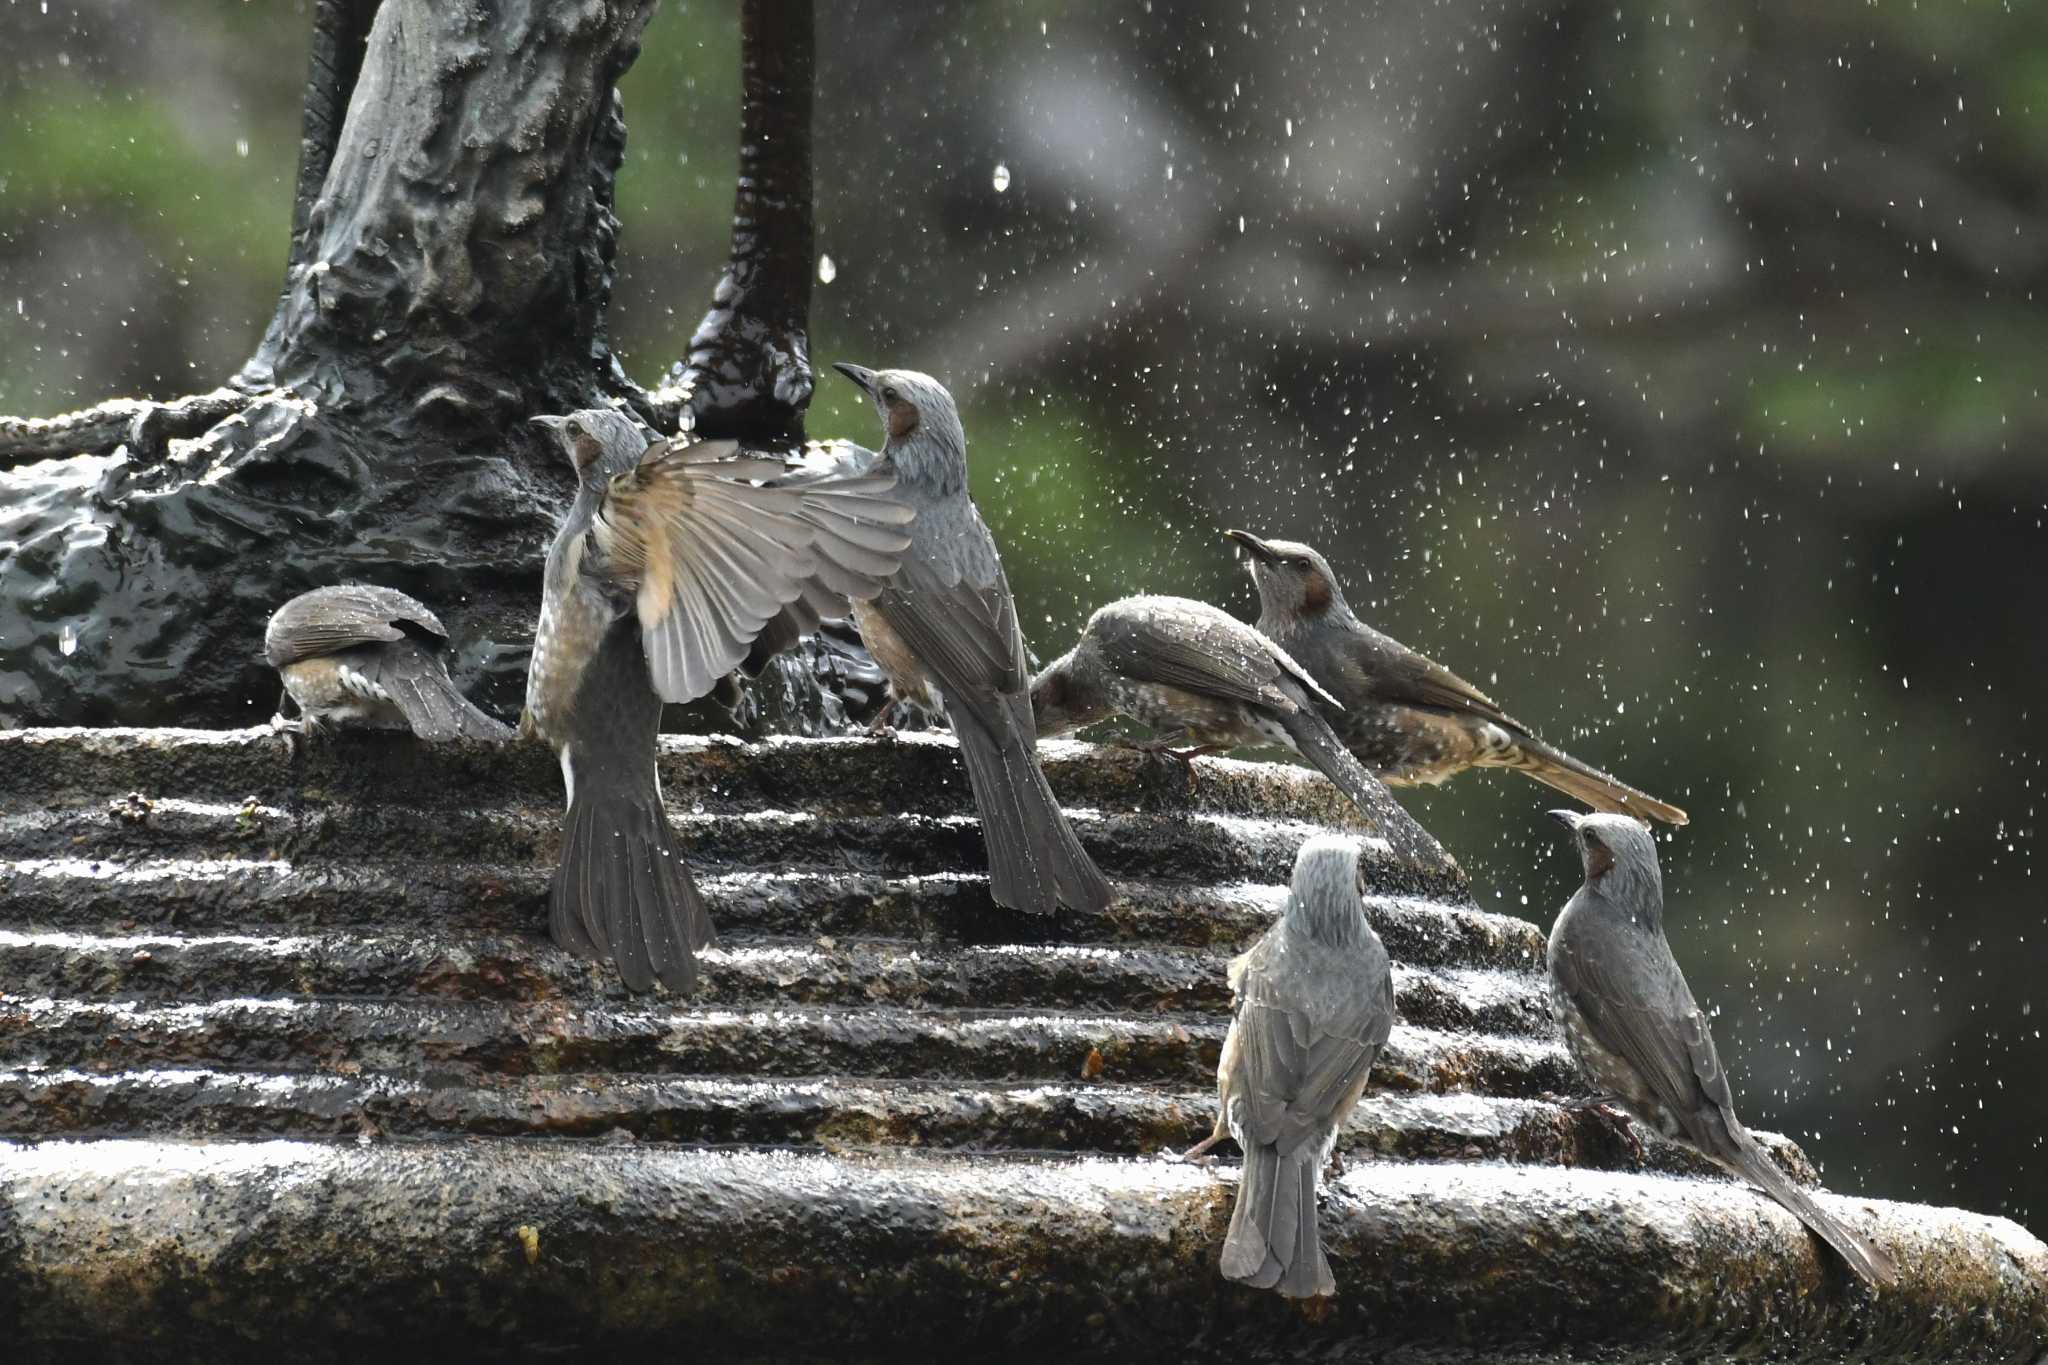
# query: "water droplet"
{"type": "Point", "coordinates": [1002, 177]}
{"type": "Point", "coordinates": [242, 147]}
{"type": "Point", "coordinates": [67, 639]}
{"type": "Point", "coordinates": [827, 270]}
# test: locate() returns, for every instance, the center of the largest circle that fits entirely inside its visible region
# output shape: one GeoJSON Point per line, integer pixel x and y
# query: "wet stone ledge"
{"type": "Point", "coordinates": [288, 1065]}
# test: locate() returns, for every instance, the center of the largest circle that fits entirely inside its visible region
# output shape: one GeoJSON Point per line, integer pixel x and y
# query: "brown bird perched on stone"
{"type": "Point", "coordinates": [1406, 717]}
{"type": "Point", "coordinates": [363, 655]}
{"type": "Point", "coordinates": [1634, 1029]}
{"type": "Point", "coordinates": [1312, 1005]}
{"type": "Point", "coordinates": [945, 631]}
{"type": "Point", "coordinates": [1198, 676]}
{"type": "Point", "coordinates": [674, 556]}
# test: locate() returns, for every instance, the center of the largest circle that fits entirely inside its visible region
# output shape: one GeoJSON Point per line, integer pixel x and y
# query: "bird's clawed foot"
{"type": "Point", "coordinates": [1199, 1155]}
{"type": "Point", "coordinates": [1163, 748]}
{"type": "Point", "coordinates": [1621, 1126]}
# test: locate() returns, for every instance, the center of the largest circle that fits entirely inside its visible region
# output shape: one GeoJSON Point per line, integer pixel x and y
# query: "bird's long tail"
{"type": "Point", "coordinates": [1274, 1242]}
{"type": "Point", "coordinates": [1601, 791]}
{"type": "Point", "coordinates": [419, 686]}
{"type": "Point", "coordinates": [1750, 1161]}
{"type": "Point", "coordinates": [622, 891]}
{"type": "Point", "coordinates": [1035, 860]}
{"type": "Point", "coordinates": [1315, 741]}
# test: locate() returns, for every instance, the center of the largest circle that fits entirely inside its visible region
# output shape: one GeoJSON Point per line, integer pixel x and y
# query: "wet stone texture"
{"type": "Point", "coordinates": [289, 1068]}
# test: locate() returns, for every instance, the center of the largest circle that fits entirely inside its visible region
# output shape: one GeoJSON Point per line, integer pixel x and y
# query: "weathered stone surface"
{"type": "Point", "coordinates": [287, 1062]}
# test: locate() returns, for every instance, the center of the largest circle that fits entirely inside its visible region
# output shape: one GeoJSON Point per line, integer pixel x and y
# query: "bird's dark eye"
{"type": "Point", "coordinates": [574, 428]}
{"type": "Point", "coordinates": [889, 395]}
{"type": "Point", "coordinates": [1298, 562]}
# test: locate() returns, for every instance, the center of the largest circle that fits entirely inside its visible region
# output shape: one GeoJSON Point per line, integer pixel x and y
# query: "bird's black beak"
{"type": "Point", "coordinates": [859, 374]}
{"type": "Point", "coordinates": [1252, 545]}
{"type": "Point", "coordinates": [1568, 818]}
{"type": "Point", "coordinates": [551, 423]}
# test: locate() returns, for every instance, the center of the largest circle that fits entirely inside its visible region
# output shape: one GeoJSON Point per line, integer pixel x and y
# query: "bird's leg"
{"type": "Point", "coordinates": [1617, 1123]}
{"type": "Point", "coordinates": [883, 724]}
{"type": "Point", "coordinates": [1162, 746]}
{"type": "Point", "coordinates": [1197, 1155]}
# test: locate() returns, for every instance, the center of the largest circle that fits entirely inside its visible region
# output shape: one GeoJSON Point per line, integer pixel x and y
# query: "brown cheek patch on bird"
{"type": "Point", "coordinates": [902, 420]}
{"type": "Point", "coordinates": [1315, 594]}
{"type": "Point", "coordinates": [584, 451]}
{"type": "Point", "coordinates": [1599, 859]}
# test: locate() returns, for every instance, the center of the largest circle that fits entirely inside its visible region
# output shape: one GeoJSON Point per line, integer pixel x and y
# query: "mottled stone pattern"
{"type": "Point", "coordinates": [289, 1070]}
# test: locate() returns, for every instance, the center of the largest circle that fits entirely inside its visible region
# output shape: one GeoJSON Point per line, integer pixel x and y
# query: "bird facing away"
{"type": "Point", "coordinates": [1313, 1002]}
{"type": "Point", "coordinates": [945, 631]}
{"type": "Point", "coordinates": [371, 656]}
{"type": "Point", "coordinates": [672, 558]}
{"type": "Point", "coordinates": [1199, 676]}
{"type": "Point", "coordinates": [1630, 1020]}
{"type": "Point", "coordinates": [1406, 717]}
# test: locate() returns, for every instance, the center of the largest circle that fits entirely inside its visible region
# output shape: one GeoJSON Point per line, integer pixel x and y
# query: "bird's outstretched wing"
{"type": "Point", "coordinates": [1199, 649]}
{"type": "Point", "coordinates": [719, 543]}
{"type": "Point", "coordinates": [327, 620]}
{"type": "Point", "coordinates": [1635, 1001]}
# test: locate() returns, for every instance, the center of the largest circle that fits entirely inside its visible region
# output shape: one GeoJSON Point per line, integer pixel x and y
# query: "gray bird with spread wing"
{"type": "Point", "coordinates": [1405, 716]}
{"type": "Point", "coordinates": [945, 631]}
{"type": "Point", "coordinates": [1199, 676]}
{"type": "Point", "coordinates": [1314, 1004]}
{"type": "Point", "coordinates": [364, 655]}
{"type": "Point", "coordinates": [1631, 1022]}
{"type": "Point", "coordinates": [673, 558]}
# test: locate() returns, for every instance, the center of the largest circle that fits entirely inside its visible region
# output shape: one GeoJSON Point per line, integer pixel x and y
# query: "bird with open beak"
{"type": "Point", "coordinates": [1312, 1004]}
{"type": "Point", "coordinates": [673, 557]}
{"type": "Point", "coordinates": [945, 631]}
{"type": "Point", "coordinates": [1630, 1021]}
{"type": "Point", "coordinates": [1407, 717]}
{"type": "Point", "coordinates": [1200, 677]}
{"type": "Point", "coordinates": [362, 655]}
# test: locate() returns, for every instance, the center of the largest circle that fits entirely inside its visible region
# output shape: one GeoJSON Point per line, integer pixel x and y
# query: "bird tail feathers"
{"type": "Point", "coordinates": [1035, 860]}
{"type": "Point", "coordinates": [1874, 1267]}
{"type": "Point", "coordinates": [1274, 1241]}
{"type": "Point", "coordinates": [1315, 741]}
{"type": "Point", "coordinates": [622, 891]}
{"type": "Point", "coordinates": [1601, 791]}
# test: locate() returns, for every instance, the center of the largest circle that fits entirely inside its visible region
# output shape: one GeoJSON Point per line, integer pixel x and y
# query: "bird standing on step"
{"type": "Point", "coordinates": [1406, 717]}
{"type": "Point", "coordinates": [1313, 1003]}
{"type": "Point", "coordinates": [945, 631]}
{"type": "Point", "coordinates": [371, 656]}
{"type": "Point", "coordinates": [1630, 1020]}
{"type": "Point", "coordinates": [672, 559]}
{"type": "Point", "coordinates": [1199, 676]}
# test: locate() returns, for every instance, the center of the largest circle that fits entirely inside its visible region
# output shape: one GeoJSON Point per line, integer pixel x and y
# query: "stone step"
{"type": "Point", "coordinates": [913, 773]}
{"type": "Point", "coordinates": [447, 1039]}
{"type": "Point", "coordinates": [515, 1249]}
{"type": "Point", "coordinates": [829, 1112]}
{"type": "Point", "coordinates": [255, 895]}
{"type": "Point", "coordinates": [1181, 847]}
{"type": "Point", "coordinates": [760, 972]}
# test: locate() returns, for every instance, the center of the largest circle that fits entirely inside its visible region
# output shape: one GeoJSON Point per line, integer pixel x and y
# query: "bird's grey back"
{"type": "Point", "coordinates": [325, 620]}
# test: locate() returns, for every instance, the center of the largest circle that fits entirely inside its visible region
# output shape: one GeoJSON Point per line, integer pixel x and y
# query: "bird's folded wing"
{"type": "Point", "coordinates": [720, 543]}
{"type": "Point", "coordinates": [1664, 1040]}
{"type": "Point", "coordinates": [1192, 652]}
{"type": "Point", "coordinates": [1294, 1083]}
{"type": "Point", "coordinates": [1394, 672]}
{"type": "Point", "coordinates": [331, 619]}
{"type": "Point", "coordinates": [964, 633]}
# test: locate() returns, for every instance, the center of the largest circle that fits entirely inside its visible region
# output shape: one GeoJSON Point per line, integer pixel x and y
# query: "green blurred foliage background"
{"type": "Point", "coordinates": [1671, 370]}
